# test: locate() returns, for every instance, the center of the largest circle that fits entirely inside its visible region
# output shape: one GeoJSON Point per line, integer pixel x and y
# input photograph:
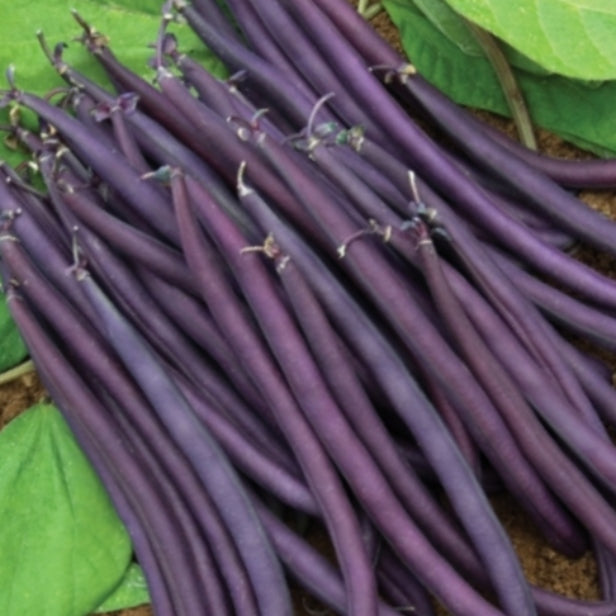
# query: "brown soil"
{"type": "Point", "coordinates": [544, 567]}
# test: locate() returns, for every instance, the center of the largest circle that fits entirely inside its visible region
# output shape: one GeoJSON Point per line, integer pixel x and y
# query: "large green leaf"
{"type": "Point", "coordinates": [12, 347]}
{"type": "Point", "coordinates": [574, 38]}
{"type": "Point", "coordinates": [455, 28]}
{"type": "Point", "coordinates": [62, 547]}
{"type": "Point", "coordinates": [445, 19]}
{"type": "Point", "coordinates": [130, 592]}
{"type": "Point", "coordinates": [131, 25]}
{"type": "Point", "coordinates": [582, 112]}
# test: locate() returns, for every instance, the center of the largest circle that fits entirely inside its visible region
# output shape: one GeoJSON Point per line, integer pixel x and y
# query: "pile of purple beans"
{"type": "Point", "coordinates": [276, 297]}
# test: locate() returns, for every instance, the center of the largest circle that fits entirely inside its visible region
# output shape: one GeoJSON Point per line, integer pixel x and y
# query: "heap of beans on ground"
{"type": "Point", "coordinates": [276, 297]}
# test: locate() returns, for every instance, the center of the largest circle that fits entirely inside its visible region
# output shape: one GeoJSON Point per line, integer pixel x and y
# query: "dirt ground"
{"type": "Point", "coordinates": [542, 564]}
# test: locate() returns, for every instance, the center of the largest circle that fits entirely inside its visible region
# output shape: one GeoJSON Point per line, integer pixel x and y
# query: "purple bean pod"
{"type": "Point", "coordinates": [254, 355]}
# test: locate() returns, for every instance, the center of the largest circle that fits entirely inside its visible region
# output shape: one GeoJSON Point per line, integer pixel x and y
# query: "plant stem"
{"type": "Point", "coordinates": [508, 82]}
{"type": "Point", "coordinates": [367, 10]}
{"type": "Point", "coordinates": [14, 373]}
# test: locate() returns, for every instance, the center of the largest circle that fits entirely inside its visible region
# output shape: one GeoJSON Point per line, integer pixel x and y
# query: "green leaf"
{"type": "Point", "coordinates": [62, 547]}
{"type": "Point", "coordinates": [130, 592]}
{"type": "Point", "coordinates": [451, 25]}
{"type": "Point", "coordinates": [12, 347]}
{"type": "Point", "coordinates": [579, 111]}
{"type": "Point", "coordinates": [130, 25]}
{"type": "Point", "coordinates": [448, 22]}
{"type": "Point", "coordinates": [574, 38]}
